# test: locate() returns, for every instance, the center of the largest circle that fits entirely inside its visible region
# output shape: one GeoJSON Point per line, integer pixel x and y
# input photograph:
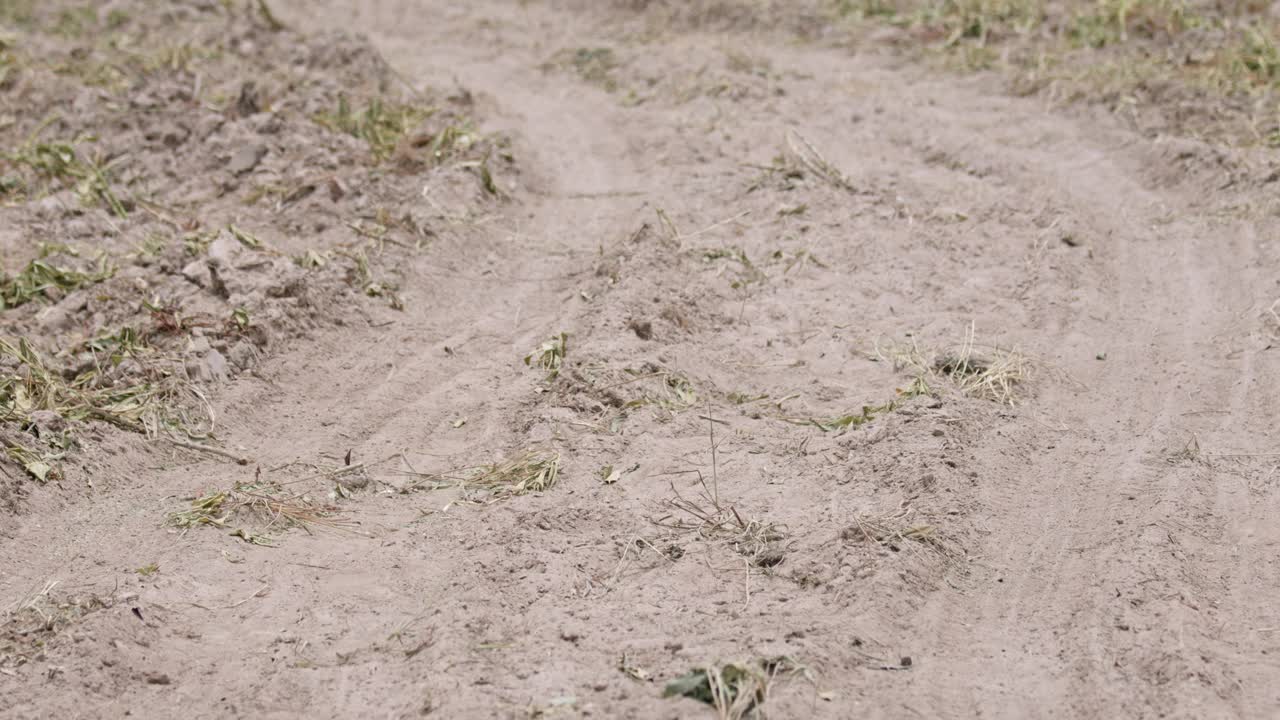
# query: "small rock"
{"type": "Point", "coordinates": [196, 272]}
{"type": "Point", "coordinates": [247, 103]}
{"type": "Point", "coordinates": [200, 345]}
{"type": "Point", "coordinates": [49, 207]}
{"type": "Point", "coordinates": [223, 250]}
{"type": "Point", "coordinates": [357, 480]}
{"type": "Point", "coordinates": [54, 318]}
{"type": "Point", "coordinates": [244, 355]}
{"type": "Point", "coordinates": [246, 159]}
{"type": "Point", "coordinates": [216, 363]}
{"type": "Point", "coordinates": [128, 367]}
{"type": "Point", "coordinates": [197, 370]}
{"type": "Point", "coordinates": [47, 421]}
{"type": "Point", "coordinates": [79, 227]}
{"type": "Point", "coordinates": [157, 679]}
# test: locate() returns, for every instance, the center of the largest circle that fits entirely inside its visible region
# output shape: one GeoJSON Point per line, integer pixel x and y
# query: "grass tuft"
{"type": "Point", "coordinates": [991, 373]}
{"type": "Point", "coordinates": [383, 125]}
{"type": "Point", "coordinates": [61, 163]}
{"type": "Point", "coordinates": [549, 355]}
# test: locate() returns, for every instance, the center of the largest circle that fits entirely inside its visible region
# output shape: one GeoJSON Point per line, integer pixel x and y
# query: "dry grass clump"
{"type": "Point", "coordinates": [803, 153]}
{"type": "Point", "coordinates": [529, 471]}
{"type": "Point", "coordinates": [756, 540]}
{"type": "Point", "coordinates": [267, 506]}
{"type": "Point", "coordinates": [524, 472]}
{"type": "Point", "coordinates": [991, 373]}
{"type": "Point", "coordinates": [894, 531]}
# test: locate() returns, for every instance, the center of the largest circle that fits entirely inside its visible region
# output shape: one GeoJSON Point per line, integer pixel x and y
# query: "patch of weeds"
{"type": "Point", "coordinates": [118, 345]}
{"type": "Point", "coordinates": [76, 22]}
{"type": "Point", "coordinates": [41, 276]}
{"type": "Point", "coordinates": [37, 622]}
{"type": "Point", "coordinates": [196, 244]}
{"type": "Point", "coordinates": [362, 276]}
{"type": "Point", "coordinates": [758, 541]}
{"type": "Point", "coordinates": [1251, 62]}
{"type": "Point", "coordinates": [976, 22]}
{"type": "Point", "coordinates": [748, 274]}
{"type": "Point", "coordinates": [735, 690]}
{"type": "Point", "coordinates": [549, 355]}
{"type": "Point", "coordinates": [680, 394]}
{"type": "Point", "coordinates": [153, 245]}
{"type": "Point", "coordinates": [381, 124]}
{"type": "Point", "coordinates": [17, 12]}
{"type": "Point", "coordinates": [268, 507]}
{"type": "Point", "coordinates": [60, 162]}
{"type": "Point", "coordinates": [1110, 22]}
{"type": "Point", "coordinates": [995, 374]}
{"type": "Point", "coordinates": [594, 65]}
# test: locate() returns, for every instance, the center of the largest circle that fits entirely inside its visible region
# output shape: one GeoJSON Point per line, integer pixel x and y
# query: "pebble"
{"type": "Point", "coordinates": [246, 159]}
{"type": "Point", "coordinates": [196, 272]}
{"type": "Point", "coordinates": [216, 363]}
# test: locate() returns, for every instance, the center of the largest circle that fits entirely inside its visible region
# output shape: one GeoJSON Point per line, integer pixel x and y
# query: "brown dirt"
{"type": "Point", "coordinates": [756, 247]}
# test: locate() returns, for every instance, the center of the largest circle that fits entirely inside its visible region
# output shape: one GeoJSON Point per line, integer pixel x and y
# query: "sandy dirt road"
{"type": "Point", "coordinates": [1105, 547]}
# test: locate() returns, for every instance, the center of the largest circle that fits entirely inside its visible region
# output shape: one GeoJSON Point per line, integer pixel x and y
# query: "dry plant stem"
{"type": "Point", "coordinates": [239, 460]}
{"type": "Point", "coordinates": [715, 478]}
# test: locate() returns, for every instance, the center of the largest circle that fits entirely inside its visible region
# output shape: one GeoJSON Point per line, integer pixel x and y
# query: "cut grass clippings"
{"type": "Point", "coordinates": [41, 276]}
{"type": "Point", "coordinates": [28, 386]}
{"type": "Point", "coordinates": [549, 355]}
{"type": "Point", "coordinates": [734, 690]}
{"type": "Point", "coordinates": [63, 164]}
{"type": "Point", "coordinates": [917, 388]}
{"type": "Point", "coordinates": [990, 373]}
{"type": "Point", "coordinates": [268, 507]}
{"type": "Point", "coordinates": [527, 471]}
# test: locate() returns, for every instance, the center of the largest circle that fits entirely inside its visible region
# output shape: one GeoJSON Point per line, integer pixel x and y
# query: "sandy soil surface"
{"type": "Point", "coordinates": [663, 344]}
